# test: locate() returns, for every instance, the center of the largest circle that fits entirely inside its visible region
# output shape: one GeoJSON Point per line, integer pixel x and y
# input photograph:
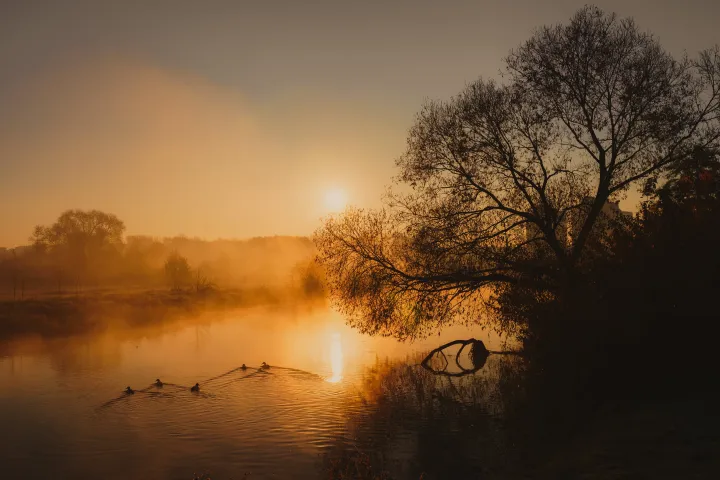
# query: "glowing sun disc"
{"type": "Point", "coordinates": [335, 200]}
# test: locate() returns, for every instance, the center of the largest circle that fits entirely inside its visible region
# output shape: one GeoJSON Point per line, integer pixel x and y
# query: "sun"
{"type": "Point", "coordinates": [335, 199]}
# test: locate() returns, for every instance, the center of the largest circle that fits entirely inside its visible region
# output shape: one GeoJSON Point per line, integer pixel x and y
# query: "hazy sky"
{"type": "Point", "coordinates": [234, 118]}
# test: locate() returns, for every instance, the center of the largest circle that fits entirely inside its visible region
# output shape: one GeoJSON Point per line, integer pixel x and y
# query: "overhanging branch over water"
{"type": "Point", "coordinates": [478, 356]}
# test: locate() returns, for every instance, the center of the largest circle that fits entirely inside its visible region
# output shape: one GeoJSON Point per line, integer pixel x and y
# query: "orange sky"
{"type": "Point", "coordinates": [223, 120]}
{"type": "Point", "coordinates": [171, 153]}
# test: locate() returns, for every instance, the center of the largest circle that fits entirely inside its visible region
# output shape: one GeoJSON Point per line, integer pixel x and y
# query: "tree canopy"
{"type": "Point", "coordinates": [506, 182]}
{"type": "Point", "coordinates": [80, 241]}
{"type": "Point", "coordinates": [80, 229]}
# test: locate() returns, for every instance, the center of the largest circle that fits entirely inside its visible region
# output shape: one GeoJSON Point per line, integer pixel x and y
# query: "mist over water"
{"type": "Point", "coordinates": [63, 398]}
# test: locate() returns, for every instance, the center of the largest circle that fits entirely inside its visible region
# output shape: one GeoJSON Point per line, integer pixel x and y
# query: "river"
{"type": "Point", "coordinates": [65, 415]}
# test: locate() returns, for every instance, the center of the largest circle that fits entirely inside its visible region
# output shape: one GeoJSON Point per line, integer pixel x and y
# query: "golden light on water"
{"type": "Point", "coordinates": [336, 359]}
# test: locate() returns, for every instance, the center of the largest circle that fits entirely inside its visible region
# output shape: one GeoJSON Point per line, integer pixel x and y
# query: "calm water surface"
{"type": "Point", "coordinates": [64, 414]}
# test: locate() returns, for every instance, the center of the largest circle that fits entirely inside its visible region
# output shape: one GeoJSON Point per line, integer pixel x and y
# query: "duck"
{"type": "Point", "coordinates": [244, 367]}
{"type": "Point", "coordinates": [195, 388]}
{"type": "Point", "coordinates": [129, 391]}
{"type": "Point", "coordinates": [265, 366]}
{"type": "Point", "coordinates": [158, 383]}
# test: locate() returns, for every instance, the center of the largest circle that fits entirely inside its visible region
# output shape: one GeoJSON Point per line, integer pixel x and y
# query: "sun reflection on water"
{"type": "Point", "coordinates": [336, 359]}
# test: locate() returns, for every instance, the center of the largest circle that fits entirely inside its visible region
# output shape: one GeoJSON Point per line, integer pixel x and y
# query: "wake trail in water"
{"type": "Point", "coordinates": [230, 381]}
{"type": "Point", "coordinates": [168, 384]}
{"type": "Point", "coordinates": [229, 372]}
{"type": "Point", "coordinates": [126, 396]}
{"type": "Point", "coordinates": [154, 390]}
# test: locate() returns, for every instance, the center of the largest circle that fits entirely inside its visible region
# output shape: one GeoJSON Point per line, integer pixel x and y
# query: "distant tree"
{"type": "Point", "coordinates": [79, 228]}
{"type": "Point", "coordinates": [588, 110]}
{"type": "Point", "coordinates": [79, 239]}
{"type": "Point", "coordinates": [177, 271]}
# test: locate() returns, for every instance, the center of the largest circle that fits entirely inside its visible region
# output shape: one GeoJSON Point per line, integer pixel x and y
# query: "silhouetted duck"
{"type": "Point", "coordinates": [243, 367]}
{"type": "Point", "coordinates": [129, 390]}
{"type": "Point", "coordinates": [265, 366]}
{"type": "Point", "coordinates": [158, 383]}
{"type": "Point", "coordinates": [195, 388]}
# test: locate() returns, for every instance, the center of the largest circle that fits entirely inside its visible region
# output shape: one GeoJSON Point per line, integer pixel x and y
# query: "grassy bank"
{"type": "Point", "coordinates": [57, 315]}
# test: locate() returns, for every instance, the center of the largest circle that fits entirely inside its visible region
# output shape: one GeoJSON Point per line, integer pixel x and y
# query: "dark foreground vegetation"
{"type": "Point", "coordinates": [507, 423]}
{"type": "Point", "coordinates": [512, 221]}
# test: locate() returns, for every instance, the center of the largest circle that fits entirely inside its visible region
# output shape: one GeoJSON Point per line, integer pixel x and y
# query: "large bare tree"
{"type": "Point", "coordinates": [508, 180]}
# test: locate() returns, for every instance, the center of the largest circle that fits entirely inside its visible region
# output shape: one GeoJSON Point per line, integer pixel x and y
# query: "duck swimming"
{"type": "Point", "coordinates": [195, 388]}
{"type": "Point", "coordinates": [129, 391]}
{"type": "Point", "coordinates": [158, 383]}
{"type": "Point", "coordinates": [243, 367]}
{"type": "Point", "coordinates": [265, 366]}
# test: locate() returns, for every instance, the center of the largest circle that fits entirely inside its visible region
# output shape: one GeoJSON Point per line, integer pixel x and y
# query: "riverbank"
{"type": "Point", "coordinates": [71, 314]}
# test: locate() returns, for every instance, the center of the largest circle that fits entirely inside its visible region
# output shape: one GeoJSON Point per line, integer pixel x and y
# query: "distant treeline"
{"type": "Point", "coordinates": [87, 250]}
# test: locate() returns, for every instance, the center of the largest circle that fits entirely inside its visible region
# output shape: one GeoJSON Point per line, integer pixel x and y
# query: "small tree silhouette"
{"type": "Point", "coordinates": [177, 271]}
{"type": "Point", "coordinates": [202, 282]}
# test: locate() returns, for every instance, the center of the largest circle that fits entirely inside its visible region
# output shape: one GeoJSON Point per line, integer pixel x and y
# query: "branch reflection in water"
{"type": "Point", "coordinates": [437, 360]}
